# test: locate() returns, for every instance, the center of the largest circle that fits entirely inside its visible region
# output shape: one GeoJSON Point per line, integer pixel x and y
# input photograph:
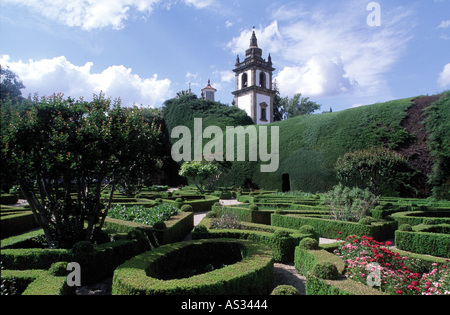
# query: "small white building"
{"type": "Point", "coordinates": [254, 92]}
{"type": "Point", "coordinates": [208, 93]}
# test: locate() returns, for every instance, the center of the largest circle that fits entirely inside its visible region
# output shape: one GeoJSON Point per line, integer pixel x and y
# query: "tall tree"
{"type": "Point", "coordinates": [299, 106]}
{"type": "Point", "coordinates": [10, 86]}
{"type": "Point", "coordinates": [67, 152]}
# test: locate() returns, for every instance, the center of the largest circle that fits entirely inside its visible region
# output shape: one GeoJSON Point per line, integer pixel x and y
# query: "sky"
{"type": "Point", "coordinates": [341, 54]}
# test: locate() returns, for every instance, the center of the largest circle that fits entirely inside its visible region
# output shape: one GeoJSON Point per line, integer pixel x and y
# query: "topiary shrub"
{"type": "Point", "coordinates": [285, 290]}
{"type": "Point", "coordinates": [405, 228]}
{"type": "Point", "coordinates": [365, 221]}
{"type": "Point", "coordinates": [200, 229]}
{"type": "Point", "coordinates": [59, 269]}
{"type": "Point", "coordinates": [307, 229]}
{"type": "Point", "coordinates": [309, 244]}
{"type": "Point", "coordinates": [187, 208]}
{"type": "Point", "coordinates": [326, 271]}
{"type": "Point", "coordinates": [82, 248]}
{"type": "Point", "coordinates": [160, 225]}
{"type": "Point", "coordinates": [253, 208]}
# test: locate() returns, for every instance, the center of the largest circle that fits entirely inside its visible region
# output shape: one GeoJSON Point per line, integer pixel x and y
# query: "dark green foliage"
{"type": "Point", "coordinates": [326, 271]}
{"type": "Point", "coordinates": [438, 126]}
{"type": "Point", "coordinates": [182, 111]}
{"type": "Point", "coordinates": [285, 290]}
{"type": "Point", "coordinates": [309, 243]}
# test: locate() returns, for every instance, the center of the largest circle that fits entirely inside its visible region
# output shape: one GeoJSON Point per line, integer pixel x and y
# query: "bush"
{"type": "Point", "coordinates": [285, 290]}
{"type": "Point", "coordinates": [309, 243]}
{"type": "Point", "coordinates": [253, 275]}
{"type": "Point", "coordinates": [326, 271]}
{"type": "Point", "coordinates": [187, 208]}
{"type": "Point", "coordinates": [349, 204]}
{"type": "Point", "coordinates": [253, 208]}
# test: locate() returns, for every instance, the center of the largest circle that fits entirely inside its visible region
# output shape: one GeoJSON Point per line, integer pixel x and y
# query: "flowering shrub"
{"type": "Point", "coordinates": [142, 215]}
{"type": "Point", "coordinates": [369, 262]}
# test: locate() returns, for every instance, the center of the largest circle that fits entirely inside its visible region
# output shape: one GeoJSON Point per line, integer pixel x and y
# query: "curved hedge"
{"type": "Point", "coordinates": [420, 217]}
{"type": "Point", "coordinates": [425, 239]}
{"type": "Point", "coordinates": [253, 275]}
{"type": "Point", "coordinates": [333, 229]}
{"type": "Point", "coordinates": [281, 241]}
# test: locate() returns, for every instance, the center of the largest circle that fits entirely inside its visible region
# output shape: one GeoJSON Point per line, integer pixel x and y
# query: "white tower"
{"type": "Point", "coordinates": [208, 93]}
{"type": "Point", "coordinates": [254, 92]}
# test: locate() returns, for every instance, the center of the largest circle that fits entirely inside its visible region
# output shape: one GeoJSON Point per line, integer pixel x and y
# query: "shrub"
{"type": "Point", "coordinates": [349, 204]}
{"type": "Point", "coordinates": [253, 275]}
{"type": "Point", "coordinates": [253, 208]}
{"type": "Point", "coordinates": [59, 269]}
{"type": "Point", "coordinates": [141, 214]}
{"type": "Point", "coordinates": [187, 208]}
{"type": "Point", "coordinates": [309, 244]}
{"type": "Point", "coordinates": [326, 271]}
{"type": "Point", "coordinates": [285, 290]}
{"type": "Point", "coordinates": [405, 227]}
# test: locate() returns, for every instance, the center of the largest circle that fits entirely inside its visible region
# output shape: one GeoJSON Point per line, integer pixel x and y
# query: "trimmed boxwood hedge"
{"type": "Point", "coordinates": [177, 227]}
{"type": "Point", "coordinates": [281, 241]}
{"type": "Point", "coordinates": [419, 217]}
{"type": "Point", "coordinates": [331, 228]}
{"type": "Point", "coordinates": [37, 282]}
{"type": "Point", "coordinates": [16, 220]}
{"type": "Point", "coordinates": [306, 263]}
{"type": "Point", "coordinates": [421, 242]}
{"type": "Point", "coordinates": [253, 275]}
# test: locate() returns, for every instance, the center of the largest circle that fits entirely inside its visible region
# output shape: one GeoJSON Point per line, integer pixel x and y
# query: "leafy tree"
{"type": "Point", "coordinates": [10, 86]}
{"type": "Point", "coordinates": [378, 169]}
{"type": "Point", "coordinates": [300, 106]}
{"type": "Point", "coordinates": [67, 152]}
{"type": "Point", "coordinates": [202, 174]}
{"type": "Point", "coordinates": [285, 107]}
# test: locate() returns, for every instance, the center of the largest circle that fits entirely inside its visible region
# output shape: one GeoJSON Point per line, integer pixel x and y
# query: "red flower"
{"type": "Point", "coordinates": [399, 292]}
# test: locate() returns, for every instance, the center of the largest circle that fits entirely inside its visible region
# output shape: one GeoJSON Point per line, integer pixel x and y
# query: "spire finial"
{"type": "Point", "coordinates": [254, 40]}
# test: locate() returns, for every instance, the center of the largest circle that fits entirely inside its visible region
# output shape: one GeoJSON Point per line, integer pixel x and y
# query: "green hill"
{"type": "Point", "coordinates": [311, 145]}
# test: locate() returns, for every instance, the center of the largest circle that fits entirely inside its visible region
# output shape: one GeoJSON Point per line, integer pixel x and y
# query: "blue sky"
{"type": "Point", "coordinates": [145, 51]}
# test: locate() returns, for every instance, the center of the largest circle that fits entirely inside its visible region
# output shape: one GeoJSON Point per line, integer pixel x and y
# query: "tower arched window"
{"type": "Point", "coordinates": [244, 80]}
{"type": "Point", "coordinates": [262, 80]}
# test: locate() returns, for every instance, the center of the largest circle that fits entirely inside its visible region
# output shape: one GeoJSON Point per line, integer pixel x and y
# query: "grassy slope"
{"type": "Point", "coordinates": [309, 146]}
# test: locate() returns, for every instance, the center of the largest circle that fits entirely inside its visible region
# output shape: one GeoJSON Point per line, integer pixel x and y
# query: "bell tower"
{"type": "Point", "coordinates": [254, 92]}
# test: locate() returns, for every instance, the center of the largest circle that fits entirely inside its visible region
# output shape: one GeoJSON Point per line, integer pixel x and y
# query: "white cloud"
{"type": "Point", "coordinates": [98, 14]}
{"type": "Point", "coordinates": [88, 14]}
{"type": "Point", "coordinates": [444, 24]}
{"type": "Point", "coordinates": [58, 75]}
{"type": "Point", "coordinates": [200, 4]}
{"type": "Point", "coordinates": [444, 77]}
{"type": "Point", "coordinates": [319, 77]}
{"type": "Point", "coordinates": [327, 50]}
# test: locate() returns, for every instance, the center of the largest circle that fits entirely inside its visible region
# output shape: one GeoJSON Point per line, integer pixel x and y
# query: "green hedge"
{"type": "Point", "coordinates": [253, 275]}
{"type": "Point", "coordinates": [331, 228]}
{"type": "Point", "coordinates": [199, 205]}
{"type": "Point", "coordinates": [419, 217]}
{"type": "Point", "coordinates": [306, 262]}
{"type": "Point", "coordinates": [435, 244]}
{"type": "Point", "coordinates": [8, 199]}
{"type": "Point", "coordinates": [281, 241]}
{"type": "Point", "coordinates": [177, 227]}
{"type": "Point", "coordinates": [17, 222]}
{"type": "Point", "coordinates": [95, 265]}
{"type": "Point", "coordinates": [37, 282]}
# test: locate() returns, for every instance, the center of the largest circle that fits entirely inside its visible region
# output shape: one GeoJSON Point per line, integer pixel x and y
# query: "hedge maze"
{"type": "Point", "coordinates": [234, 257]}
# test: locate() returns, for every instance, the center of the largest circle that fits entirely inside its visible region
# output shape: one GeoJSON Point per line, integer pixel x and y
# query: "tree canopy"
{"type": "Point", "coordinates": [67, 152]}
